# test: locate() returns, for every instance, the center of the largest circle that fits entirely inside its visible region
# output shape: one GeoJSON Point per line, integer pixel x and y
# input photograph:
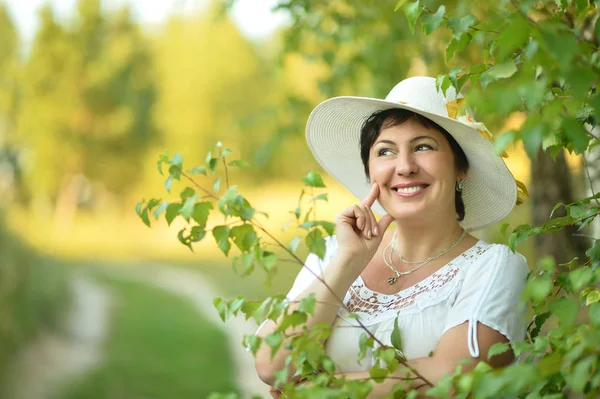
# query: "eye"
{"type": "Point", "coordinates": [384, 151]}
{"type": "Point", "coordinates": [423, 147]}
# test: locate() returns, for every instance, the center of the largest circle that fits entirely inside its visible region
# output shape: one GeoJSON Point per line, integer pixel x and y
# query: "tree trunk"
{"type": "Point", "coordinates": [551, 184]}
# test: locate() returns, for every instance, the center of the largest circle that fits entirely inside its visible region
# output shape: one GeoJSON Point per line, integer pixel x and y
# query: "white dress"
{"type": "Point", "coordinates": [483, 284]}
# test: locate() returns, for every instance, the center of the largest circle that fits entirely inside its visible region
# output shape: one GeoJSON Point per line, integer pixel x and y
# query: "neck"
{"type": "Point", "coordinates": [417, 243]}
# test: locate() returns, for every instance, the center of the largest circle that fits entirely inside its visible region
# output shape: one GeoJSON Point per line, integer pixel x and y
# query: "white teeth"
{"type": "Point", "coordinates": [409, 190]}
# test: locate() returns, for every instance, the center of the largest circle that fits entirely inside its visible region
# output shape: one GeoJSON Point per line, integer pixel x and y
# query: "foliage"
{"type": "Point", "coordinates": [86, 95]}
{"type": "Point", "coordinates": [537, 58]}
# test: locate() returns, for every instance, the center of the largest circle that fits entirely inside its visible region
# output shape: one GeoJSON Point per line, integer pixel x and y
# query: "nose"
{"type": "Point", "coordinates": [406, 164]}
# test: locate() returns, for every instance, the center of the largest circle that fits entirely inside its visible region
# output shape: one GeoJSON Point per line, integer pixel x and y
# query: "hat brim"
{"type": "Point", "coordinates": [333, 135]}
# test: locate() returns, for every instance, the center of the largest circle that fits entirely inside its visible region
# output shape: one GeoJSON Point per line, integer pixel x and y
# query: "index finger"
{"type": "Point", "coordinates": [372, 196]}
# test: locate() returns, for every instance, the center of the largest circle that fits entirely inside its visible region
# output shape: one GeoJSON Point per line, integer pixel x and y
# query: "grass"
{"type": "Point", "coordinates": [158, 347]}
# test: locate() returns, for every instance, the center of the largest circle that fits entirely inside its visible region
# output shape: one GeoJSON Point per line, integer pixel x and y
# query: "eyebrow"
{"type": "Point", "coordinates": [384, 141]}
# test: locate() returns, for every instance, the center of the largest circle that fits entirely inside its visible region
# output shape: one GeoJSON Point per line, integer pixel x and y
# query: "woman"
{"type": "Point", "coordinates": [436, 176]}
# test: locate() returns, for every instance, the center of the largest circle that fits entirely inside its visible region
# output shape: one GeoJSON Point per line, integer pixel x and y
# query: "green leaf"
{"type": "Point", "coordinates": [539, 288]}
{"type": "Point", "coordinates": [185, 239]}
{"type": "Point", "coordinates": [316, 243]}
{"type": "Point", "coordinates": [274, 340]}
{"type": "Point", "coordinates": [233, 204]}
{"type": "Point", "coordinates": [378, 374]}
{"type": "Point", "coordinates": [581, 277]}
{"type": "Point", "coordinates": [186, 193]}
{"type": "Point", "coordinates": [160, 209]}
{"type": "Point", "coordinates": [412, 11]}
{"type": "Point", "coordinates": [498, 348]}
{"type": "Point", "coordinates": [217, 185]}
{"type": "Point", "coordinates": [503, 141]}
{"type": "Point", "coordinates": [169, 183]}
{"type": "Point", "coordinates": [460, 26]}
{"type": "Point", "coordinates": [221, 307]}
{"type": "Point", "coordinates": [243, 236]}
{"type": "Point", "coordinates": [313, 179]}
{"type": "Point", "coordinates": [457, 45]}
{"type": "Point", "coordinates": [294, 244]}
{"type": "Point", "coordinates": [592, 297]}
{"type": "Point", "coordinates": [293, 319]}
{"type": "Point", "coordinates": [556, 207]}
{"type": "Point", "coordinates": [238, 163]}
{"type": "Point", "coordinates": [212, 164]}
{"type": "Point", "coordinates": [364, 342]}
{"type": "Point", "coordinates": [268, 260]}
{"type": "Point", "coordinates": [512, 37]}
{"type": "Point", "coordinates": [187, 210]}
{"type": "Point", "coordinates": [396, 338]}
{"type": "Point", "coordinates": [594, 252]}
{"type": "Point", "coordinates": [581, 374]}
{"type": "Point", "coordinates": [247, 259]}
{"type": "Point", "coordinates": [565, 309]}
{"type": "Point", "coordinates": [143, 213]}
{"type": "Point", "coordinates": [177, 160]}
{"type": "Point", "coordinates": [550, 365]}
{"type": "Point", "coordinates": [307, 305]}
{"type": "Point", "coordinates": [253, 343]}
{"type": "Point", "coordinates": [320, 197]}
{"type": "Point", "coordinates": [562, 46]}
{"type": "Point", "coordinates": [430, 22]}
{"type": "Point", "coordinates": [329, 227]}
{"type": "Point", "coordinates": [197, 233]}
{"type": "Point", "coordinates": [225, 153]}
{"type": "Point", "coordinates": [576, 135]}
{"type": "Point", "coordinates": [198, 170]}
{"type": "Point", "coordinates": [172, 212]}
{"type": "Point", "coordinates": [163, 158]}
{"type": "Point", "coordinates": [399, 4]}
{"type": "Point", "coordinates": [221, 234]}
{"type": "Point", "coordinates": [532, 140]}
{"type": "Point", "coordinates": [502, 71]}
{"type": "Point", "coordinates": [594, 313]}
{"type": "Point", "coordinates": [201, 212]}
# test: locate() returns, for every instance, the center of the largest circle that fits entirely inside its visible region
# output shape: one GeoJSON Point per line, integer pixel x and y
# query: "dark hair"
{"type": "Point", "coordinates": [393, 117]}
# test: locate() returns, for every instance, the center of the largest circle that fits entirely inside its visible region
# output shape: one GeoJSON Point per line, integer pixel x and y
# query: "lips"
{"type": "Point", "coordinates": [409, 188]}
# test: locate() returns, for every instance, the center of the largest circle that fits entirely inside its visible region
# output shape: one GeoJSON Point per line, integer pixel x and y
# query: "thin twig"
{"type": "Point", "coordinates": [586, 236]}
{"type": "Point", "coordinates": [208, 193]}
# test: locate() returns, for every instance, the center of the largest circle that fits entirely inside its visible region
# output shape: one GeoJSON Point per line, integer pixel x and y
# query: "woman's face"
{"type": "Point", "coordinates": [415, 169]}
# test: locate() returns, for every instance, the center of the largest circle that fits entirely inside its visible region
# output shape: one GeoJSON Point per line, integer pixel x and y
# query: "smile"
{"type": "Point", "coordinates": [410, 191]}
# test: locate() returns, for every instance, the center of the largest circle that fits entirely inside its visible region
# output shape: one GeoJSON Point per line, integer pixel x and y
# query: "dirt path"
{"type": "Point", "coordinates": [193, 286]}
{"type": "Point", "coordinates": [57, 357]}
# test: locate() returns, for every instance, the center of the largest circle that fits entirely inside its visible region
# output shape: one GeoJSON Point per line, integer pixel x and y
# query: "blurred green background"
{"type": "Point", "coordinates": [93, 304]}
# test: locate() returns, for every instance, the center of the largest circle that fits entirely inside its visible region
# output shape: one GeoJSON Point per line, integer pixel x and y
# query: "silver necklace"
{"type": "Point", "coordinates": [392, 248]}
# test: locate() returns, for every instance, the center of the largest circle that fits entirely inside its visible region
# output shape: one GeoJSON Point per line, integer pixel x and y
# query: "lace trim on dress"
{"type": "Point", "coordinates": [373, 307]}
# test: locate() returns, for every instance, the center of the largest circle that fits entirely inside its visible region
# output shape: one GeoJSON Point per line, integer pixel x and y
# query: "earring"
{"type": "Point", "coordinates": [460, 185]}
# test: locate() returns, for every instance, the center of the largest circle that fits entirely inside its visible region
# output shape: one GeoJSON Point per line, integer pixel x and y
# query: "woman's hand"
{"type": "Point", "coordinates": [358, 233]}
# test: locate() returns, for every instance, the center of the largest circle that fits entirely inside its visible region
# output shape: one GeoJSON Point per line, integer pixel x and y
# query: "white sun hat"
{"type": "Point", "coordinates": [333, 135]}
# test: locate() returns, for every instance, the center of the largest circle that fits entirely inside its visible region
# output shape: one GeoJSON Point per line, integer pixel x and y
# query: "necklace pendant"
{"type": "Point", "coordinates": [392, 280]}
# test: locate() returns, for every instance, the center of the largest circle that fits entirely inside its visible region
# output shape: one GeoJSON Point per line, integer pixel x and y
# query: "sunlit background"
{"type": "Point", "coordinates": [94, 304]}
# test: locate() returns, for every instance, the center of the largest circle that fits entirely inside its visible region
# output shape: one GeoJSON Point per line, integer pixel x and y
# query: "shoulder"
{"type": "Point", "coordinates": [497, 261]}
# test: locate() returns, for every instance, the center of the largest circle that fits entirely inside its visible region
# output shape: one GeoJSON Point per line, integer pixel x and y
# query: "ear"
{"type": "Point", "coordinates": [462, 175]}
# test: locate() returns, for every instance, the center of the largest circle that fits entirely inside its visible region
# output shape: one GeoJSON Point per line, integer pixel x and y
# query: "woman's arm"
{"type": "Point", "coordinates": [338, 279]}
{"type": "Point", "coordinates": [359, 236]}
{"type": "Point", "coordinates": [452, 348]}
